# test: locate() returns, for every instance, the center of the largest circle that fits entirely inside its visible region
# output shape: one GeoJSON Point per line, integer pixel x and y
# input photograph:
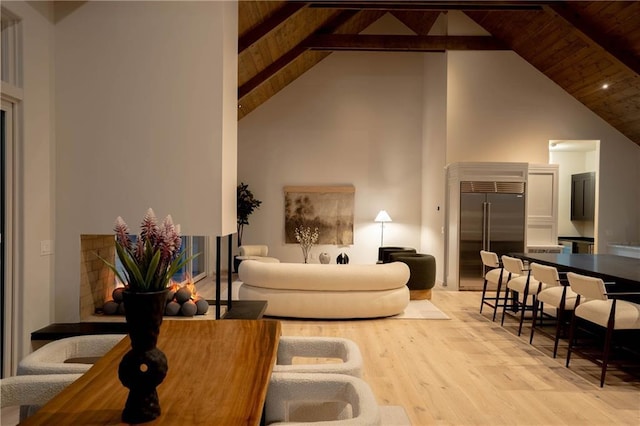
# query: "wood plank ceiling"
{"type": "Point", "coordinates": [580, 45]}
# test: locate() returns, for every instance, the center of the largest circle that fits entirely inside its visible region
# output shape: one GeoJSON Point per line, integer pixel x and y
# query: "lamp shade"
{"type": "Point", "coordinates": [382, 216]}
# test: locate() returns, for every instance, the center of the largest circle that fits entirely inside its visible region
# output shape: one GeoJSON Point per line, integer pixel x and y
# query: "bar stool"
{"type": "Point", "coordinates": [557, 294]}
{"type": "Point", "coordinates": [602, 309]}
{"type": "Point", "coordinates": [525, 287]}
{"type": "Point", "coordinates": [494, 276]}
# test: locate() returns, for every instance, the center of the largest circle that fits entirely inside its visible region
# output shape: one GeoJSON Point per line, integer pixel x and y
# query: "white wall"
{"type": "Point", "coordinates": [355, 118]}
{"type": "Point", "coordinates": [434, 147]}
{"type": "Point", "coordinates": [139, 95]}
{"type": "Point", "coordinates": [618, 193]}
{"type": "Point", "coordinates": [145, 117]}
{"type": "Point", "coordinates": [227, 158]}
{"type": "Point", "coordinates": [35, 170]}
{"type": "Point", "coordinates": [500, 108]}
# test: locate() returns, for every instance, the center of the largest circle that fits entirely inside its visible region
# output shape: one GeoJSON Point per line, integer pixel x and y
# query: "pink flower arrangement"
{"type": "Point", "coordinates": [151, 261]}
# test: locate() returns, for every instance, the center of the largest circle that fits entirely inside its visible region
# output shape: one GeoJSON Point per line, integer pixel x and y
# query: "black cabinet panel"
{"type": "Point", "coordinates": [583, 196]}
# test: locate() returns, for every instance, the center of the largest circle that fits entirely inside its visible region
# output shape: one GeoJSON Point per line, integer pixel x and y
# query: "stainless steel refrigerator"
{"type": "Point", "coordinates": [492, 217]}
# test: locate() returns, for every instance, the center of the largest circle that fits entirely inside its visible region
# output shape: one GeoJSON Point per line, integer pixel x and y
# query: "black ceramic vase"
{"type": "Point", "coordinates": [144, 367]}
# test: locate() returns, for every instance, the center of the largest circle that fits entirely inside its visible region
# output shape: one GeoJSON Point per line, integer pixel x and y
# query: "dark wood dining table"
{"type": "Point", "coordinates": [620, 273]}
{"type": "Point", "coordinates": [218, 374]}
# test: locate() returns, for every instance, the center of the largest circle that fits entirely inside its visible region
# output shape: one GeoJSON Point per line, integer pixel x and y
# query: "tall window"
{"type": "Point", "coordinates": [10, 49]}
{"type": "Point", "coordinates": [196, 267]}
{"type": "Point", "coordinates": [12, 95]}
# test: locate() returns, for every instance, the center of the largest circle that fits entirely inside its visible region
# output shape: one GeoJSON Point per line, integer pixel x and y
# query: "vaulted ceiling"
{"type": "Point", "coordinates": [580, 45]}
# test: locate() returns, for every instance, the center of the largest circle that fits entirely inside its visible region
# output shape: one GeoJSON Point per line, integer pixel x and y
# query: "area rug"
{"type": "Point", "coordinates": [394, 415]}
{"type": "Point", "coordinates": [422, 309]}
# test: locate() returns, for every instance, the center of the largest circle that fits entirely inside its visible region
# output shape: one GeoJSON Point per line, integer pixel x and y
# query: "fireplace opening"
{"type": "Point", "coordinates": [97, 280]}
{"type": "Point", "coordinates": [99, 286]}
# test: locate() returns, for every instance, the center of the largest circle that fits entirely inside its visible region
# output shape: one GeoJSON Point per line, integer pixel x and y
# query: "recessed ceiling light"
{"type": "Point", "coordinates": [605, 86]}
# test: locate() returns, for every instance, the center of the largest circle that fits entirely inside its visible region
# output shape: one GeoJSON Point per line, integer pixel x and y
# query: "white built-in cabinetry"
{"type": "Point", "coordinates": [541, 219]}
{"type": "Point", "coordinates": [542, 208]}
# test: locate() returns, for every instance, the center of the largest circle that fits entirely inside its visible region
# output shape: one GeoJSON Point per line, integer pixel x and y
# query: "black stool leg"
{"type": "Point", "coordinates": [559, 318]}
{"type": "Point", "coordinates": [495, 306]}
{"type": "Point", "coordinates": [605, 356]}
{"type": "Point", "coordinates": [572, 337]}
{"type": "Point", "coordinates": [504, 305]}
{"type": "Point", "coordinates": [524, 308]}
{"type": "Point", "coordinates": [536, 306]}
{"type": "Point", "coordinates": [484, 292]}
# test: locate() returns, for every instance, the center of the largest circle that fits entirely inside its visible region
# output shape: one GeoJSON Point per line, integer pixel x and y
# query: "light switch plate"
{"type": "Point", "coordinates": [46, 247]}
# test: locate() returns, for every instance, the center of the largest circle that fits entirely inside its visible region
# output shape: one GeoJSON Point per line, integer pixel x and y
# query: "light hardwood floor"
{"type": "Point", "coordinates": [470, 371]}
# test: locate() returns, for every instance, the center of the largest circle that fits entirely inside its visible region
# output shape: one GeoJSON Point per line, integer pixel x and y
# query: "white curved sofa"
{"type": "Point", "coordinates": [326, 291]}
{"type": "Point", "coordinates": [256, 252]}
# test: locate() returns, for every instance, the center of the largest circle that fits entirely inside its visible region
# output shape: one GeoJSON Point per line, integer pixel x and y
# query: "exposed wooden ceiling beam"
{"type": "Point", "coordinates": [430, 5]}
{"type": "Point", "coordinates": [269, 71]}
{"type": "Point", "coordinates": [340, 19]}
{"type": "Point", "coordinates": [279, 17]}
{"type": "Point", "coordinates": [402, 43]}
{"type": "Point", "coordinates": [590, 35]}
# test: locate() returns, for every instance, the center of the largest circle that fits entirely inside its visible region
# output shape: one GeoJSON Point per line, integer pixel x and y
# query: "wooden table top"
{"type": "Point", "coordinates": [218, 375]}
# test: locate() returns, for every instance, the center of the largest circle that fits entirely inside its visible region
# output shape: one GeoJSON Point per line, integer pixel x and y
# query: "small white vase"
{"type": "Point", "coordinates": [324, 258]}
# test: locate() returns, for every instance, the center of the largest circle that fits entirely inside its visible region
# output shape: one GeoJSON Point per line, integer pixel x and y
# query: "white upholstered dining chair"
{"type": "Point", "coordinates": [294, 350]}
{"type": "Point", "coordinates": [32, 391]}
{"type": "Point", "coordinates": [58, 357]}
{"type": "Point", "coordinates": [320, 399]}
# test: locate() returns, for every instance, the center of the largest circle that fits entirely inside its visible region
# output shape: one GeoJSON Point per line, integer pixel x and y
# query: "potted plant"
{"type": "Point", "coordinates": [148, 263]}
{"type": "Point", "coordinates": [247, 203]}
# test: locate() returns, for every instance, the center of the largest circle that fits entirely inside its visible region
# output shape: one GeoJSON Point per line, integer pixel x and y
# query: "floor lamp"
{"type": "Point", "coordinates": [382, 217]}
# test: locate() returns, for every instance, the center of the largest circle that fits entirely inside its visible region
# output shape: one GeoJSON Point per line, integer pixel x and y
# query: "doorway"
{"type": "Point", "coordinates": [2, 225]}
{"type": "Point", "coordinates": [575, 157]}
{"type": "Point", "coordinates": [6, 287]}
{"type": "Point", "coordinates": [11, 76]}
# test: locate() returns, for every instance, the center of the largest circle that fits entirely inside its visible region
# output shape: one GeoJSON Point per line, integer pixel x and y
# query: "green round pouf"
{"type": "Point", "coordinates": [423, 273]}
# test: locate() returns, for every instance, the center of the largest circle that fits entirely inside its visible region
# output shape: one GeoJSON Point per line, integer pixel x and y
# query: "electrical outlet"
{"type": "Point", "coordinates": [46, 247]}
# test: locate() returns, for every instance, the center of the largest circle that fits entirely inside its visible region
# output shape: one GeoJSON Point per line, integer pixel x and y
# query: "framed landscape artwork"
{"type": "Point", "coordinates": [328, 208]}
